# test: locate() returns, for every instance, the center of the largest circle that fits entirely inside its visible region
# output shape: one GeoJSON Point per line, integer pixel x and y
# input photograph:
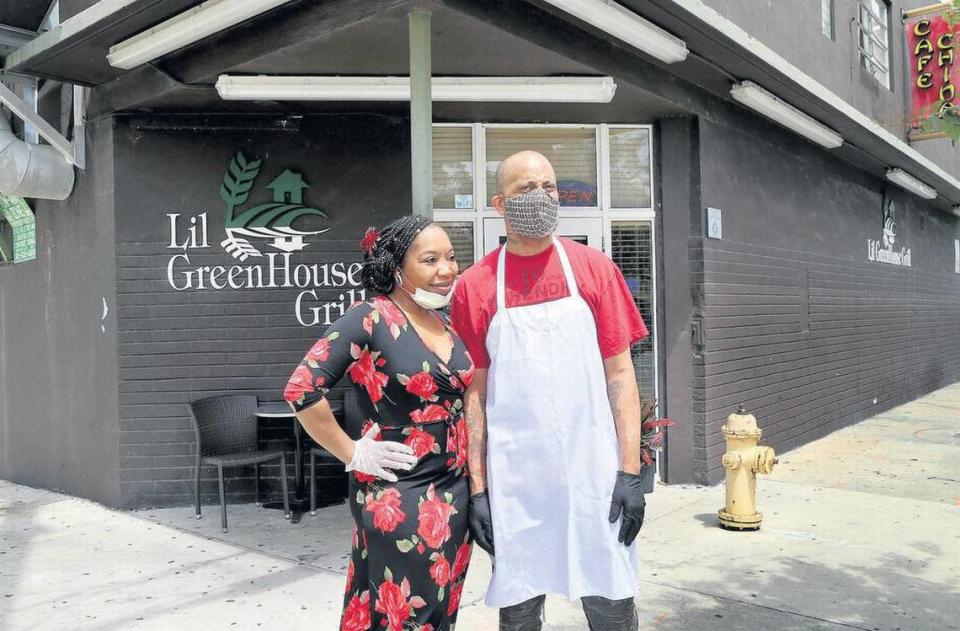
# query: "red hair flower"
{"type": "Point", "coordinates": [369, 240]}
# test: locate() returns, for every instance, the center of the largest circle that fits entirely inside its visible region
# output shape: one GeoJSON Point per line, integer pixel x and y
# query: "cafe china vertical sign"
{"type": "Point", "coordinates": [930, 47]}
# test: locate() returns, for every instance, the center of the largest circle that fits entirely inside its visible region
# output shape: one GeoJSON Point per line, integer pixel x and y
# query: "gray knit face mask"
{"type": "Point", "coordinates": [532, 215]}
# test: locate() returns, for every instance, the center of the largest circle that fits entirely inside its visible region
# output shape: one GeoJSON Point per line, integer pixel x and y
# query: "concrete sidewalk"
{"type": "Point", "coordinates": [861, 531]}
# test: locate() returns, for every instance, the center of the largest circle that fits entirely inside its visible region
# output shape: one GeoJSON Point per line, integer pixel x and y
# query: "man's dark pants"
{"type": "Point", "coordinates": [602, 614]}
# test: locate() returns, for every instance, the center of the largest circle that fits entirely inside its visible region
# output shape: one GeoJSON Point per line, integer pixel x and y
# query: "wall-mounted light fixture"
{"type": "Point", "coordinates": [626, 26]}
{"type": "Point", "coordinates": [491, 89]}
{"type": "Point", "coordinates": [184, 29]}
{"type": "Point", "coordinates": [774, 108]}
{"type": "Point", "coordinates": [912, 184]}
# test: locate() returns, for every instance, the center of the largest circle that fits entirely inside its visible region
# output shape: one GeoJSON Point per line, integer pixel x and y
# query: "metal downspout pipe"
{"type": "Point", "coordinates": [29, 170]}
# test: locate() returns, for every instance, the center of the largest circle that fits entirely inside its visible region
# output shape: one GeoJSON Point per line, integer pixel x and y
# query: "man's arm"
{"type": "Point", "coordinates": [628, 495]}
{"type": "Point", "coordinates": [625, 403]}
{"type": "Point", "coordinates": [475, 410]}
{"type": "Point", "coordinates": [480, 519]}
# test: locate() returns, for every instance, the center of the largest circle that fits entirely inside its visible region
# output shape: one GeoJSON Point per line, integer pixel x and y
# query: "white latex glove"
{"type": "Point", "coordinates": [377, 457]}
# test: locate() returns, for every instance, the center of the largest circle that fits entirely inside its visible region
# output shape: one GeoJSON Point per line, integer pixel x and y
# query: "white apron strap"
{"type": "Point", "coordinates": [501, 275]}
{"type": "Point", "coordinates": [567, 269]}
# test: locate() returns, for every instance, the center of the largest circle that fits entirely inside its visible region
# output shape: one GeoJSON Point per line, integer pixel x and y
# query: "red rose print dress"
{"type": "Point", "coordinates": [410, 547]}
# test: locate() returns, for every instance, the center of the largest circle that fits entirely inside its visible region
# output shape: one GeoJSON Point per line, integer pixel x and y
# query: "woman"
{"type": "Point", "coordinates": [408, 489]}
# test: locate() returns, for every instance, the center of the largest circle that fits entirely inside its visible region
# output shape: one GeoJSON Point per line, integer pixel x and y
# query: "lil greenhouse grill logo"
{"type": "Point", "coordinates": [882, 250]}
{"type": "Point", "coordinates": [252, 228]}
{"type": "Point", "coordinates": [270, 220]}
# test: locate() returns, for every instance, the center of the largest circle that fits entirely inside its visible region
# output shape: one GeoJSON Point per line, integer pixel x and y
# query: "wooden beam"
{"type": "Point", "coordinates": [915, 136]}
{"type": "Point", "coordinates": [930, 9]}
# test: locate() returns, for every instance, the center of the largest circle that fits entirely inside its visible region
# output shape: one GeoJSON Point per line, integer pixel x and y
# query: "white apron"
{"type": "Point", "coordinates": [552, 453]}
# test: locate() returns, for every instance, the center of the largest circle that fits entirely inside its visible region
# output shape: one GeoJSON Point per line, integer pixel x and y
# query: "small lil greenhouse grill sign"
{"type": "Point", "coordinates": [882, 250]}
{"type": "Point", "coordinates": [249, 231]}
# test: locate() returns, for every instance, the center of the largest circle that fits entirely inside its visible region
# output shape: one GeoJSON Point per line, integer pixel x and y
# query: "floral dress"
{"type": "Point", "coordinates": [410, 546]}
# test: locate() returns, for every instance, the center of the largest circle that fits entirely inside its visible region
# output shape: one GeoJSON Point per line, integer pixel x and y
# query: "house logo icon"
{"type": "Point", "coordinates": [882, 250]}
{"type": "Point", "coordinates": [269, 220]}
{"type": "Point", "coordinates": [889, 223]}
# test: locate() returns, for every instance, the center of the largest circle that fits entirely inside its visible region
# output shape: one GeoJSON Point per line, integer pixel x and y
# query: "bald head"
{"type": "Point", "coordinates": [523, 173]}
{"type": "Point", "coordinates": [522, 168]}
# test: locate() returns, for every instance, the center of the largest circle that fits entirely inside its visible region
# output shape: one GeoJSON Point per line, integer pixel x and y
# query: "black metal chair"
{"type": "Point", "coordinates": [226, 430]}
{"type": "Point", "coordinates": [332, 470]}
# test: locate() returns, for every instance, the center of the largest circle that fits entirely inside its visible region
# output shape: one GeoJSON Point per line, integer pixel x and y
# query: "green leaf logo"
{"type": "Point", "coordinates": [268, 220]}
{"type": "Point", "coordinates": [237, 182]}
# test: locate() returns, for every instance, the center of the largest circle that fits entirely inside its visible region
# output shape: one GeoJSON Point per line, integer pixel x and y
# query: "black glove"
{"type": "Point", "coordinates": [480, 520]}
{"type": "Point", "coordinates": [628, 497]}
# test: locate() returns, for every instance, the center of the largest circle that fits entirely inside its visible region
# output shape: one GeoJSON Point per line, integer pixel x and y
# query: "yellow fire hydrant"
{"type": "Point", "coordinates": [743, 461]}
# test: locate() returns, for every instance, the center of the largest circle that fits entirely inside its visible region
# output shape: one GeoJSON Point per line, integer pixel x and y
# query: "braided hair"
{"type": "Point", "coordinates": [381, 262]}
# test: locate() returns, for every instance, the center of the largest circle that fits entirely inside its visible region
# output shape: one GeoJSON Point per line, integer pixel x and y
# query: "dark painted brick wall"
{"type": "Point", "coordinates": [58, 366]}
{"type": "Point", "coordinates": [799, 325]}
{"type": "Point", "coordinates": [812, 343]}
{"type": "Point", "coordinates": [177, 346]}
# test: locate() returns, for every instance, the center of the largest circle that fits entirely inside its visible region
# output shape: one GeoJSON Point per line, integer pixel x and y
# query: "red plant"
{"type": "Point", "coordinates": [651, 438]}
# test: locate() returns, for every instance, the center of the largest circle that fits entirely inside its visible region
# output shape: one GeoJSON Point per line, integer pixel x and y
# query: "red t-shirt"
{"type": "Point", "coordinates": [539, 278]}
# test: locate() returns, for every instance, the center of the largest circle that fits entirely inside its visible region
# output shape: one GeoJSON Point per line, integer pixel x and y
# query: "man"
{"type": "Point", "coordinates": [553, 412]}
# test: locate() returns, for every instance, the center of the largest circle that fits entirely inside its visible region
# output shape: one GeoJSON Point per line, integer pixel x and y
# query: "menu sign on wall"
{"type": "Point", "coordinates": [14, 211]}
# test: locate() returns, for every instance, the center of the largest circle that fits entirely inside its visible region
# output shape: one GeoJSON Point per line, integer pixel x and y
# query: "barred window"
{"type": "Point", "coordinates": [874, 18]}
{"type": "Point", "coordinates": [632, 252]}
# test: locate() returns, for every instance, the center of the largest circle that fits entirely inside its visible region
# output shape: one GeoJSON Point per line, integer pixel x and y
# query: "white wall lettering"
{"type": "Point", "coordinates": [279, 271]}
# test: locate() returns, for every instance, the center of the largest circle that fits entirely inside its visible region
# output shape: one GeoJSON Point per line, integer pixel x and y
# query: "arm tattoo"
{"type": "Point", "coordinates": [477, 441]}
{"type": "Point", "coordinates": [625, 405]}
{"type": "Point", "coordinates": [614, 390]}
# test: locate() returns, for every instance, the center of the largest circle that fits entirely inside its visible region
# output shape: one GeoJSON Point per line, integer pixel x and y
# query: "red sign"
{"type": "Point", "coordinates": [576, 193]}
{"type": "Point", "coordinates": [930, 53]}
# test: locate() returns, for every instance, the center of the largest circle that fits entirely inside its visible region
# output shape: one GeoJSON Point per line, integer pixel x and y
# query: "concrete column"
{"type": "Point", "coordinates": [678, 216]}
{"type": "Point", "coordinates": [421, 114]}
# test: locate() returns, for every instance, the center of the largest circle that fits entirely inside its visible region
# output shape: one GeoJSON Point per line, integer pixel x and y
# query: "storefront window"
{"type": "Point", "coordinates": [607, 199]}
{"type": "Point", "coordinates": [452, 168]}
{"type": "Point", "coordinates": [572, 151]}
{"type": "Point", "coordinates": [630, 168]}
{"type": "Point", "coordinates": [632, 251]}
{"type": "Point", "coordinates": [461, 236]}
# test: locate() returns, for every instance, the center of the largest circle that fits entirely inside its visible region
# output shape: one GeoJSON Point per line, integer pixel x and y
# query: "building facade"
{"type": "Point", "coordinates": [208, 242]}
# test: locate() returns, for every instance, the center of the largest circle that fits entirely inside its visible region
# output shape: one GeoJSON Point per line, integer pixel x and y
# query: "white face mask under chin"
{"type": "Point", "coordinates": [427, 299]}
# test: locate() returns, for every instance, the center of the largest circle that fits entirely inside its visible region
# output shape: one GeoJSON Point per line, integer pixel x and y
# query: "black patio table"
{"type": "Point", "coordinates": [281, 409]}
